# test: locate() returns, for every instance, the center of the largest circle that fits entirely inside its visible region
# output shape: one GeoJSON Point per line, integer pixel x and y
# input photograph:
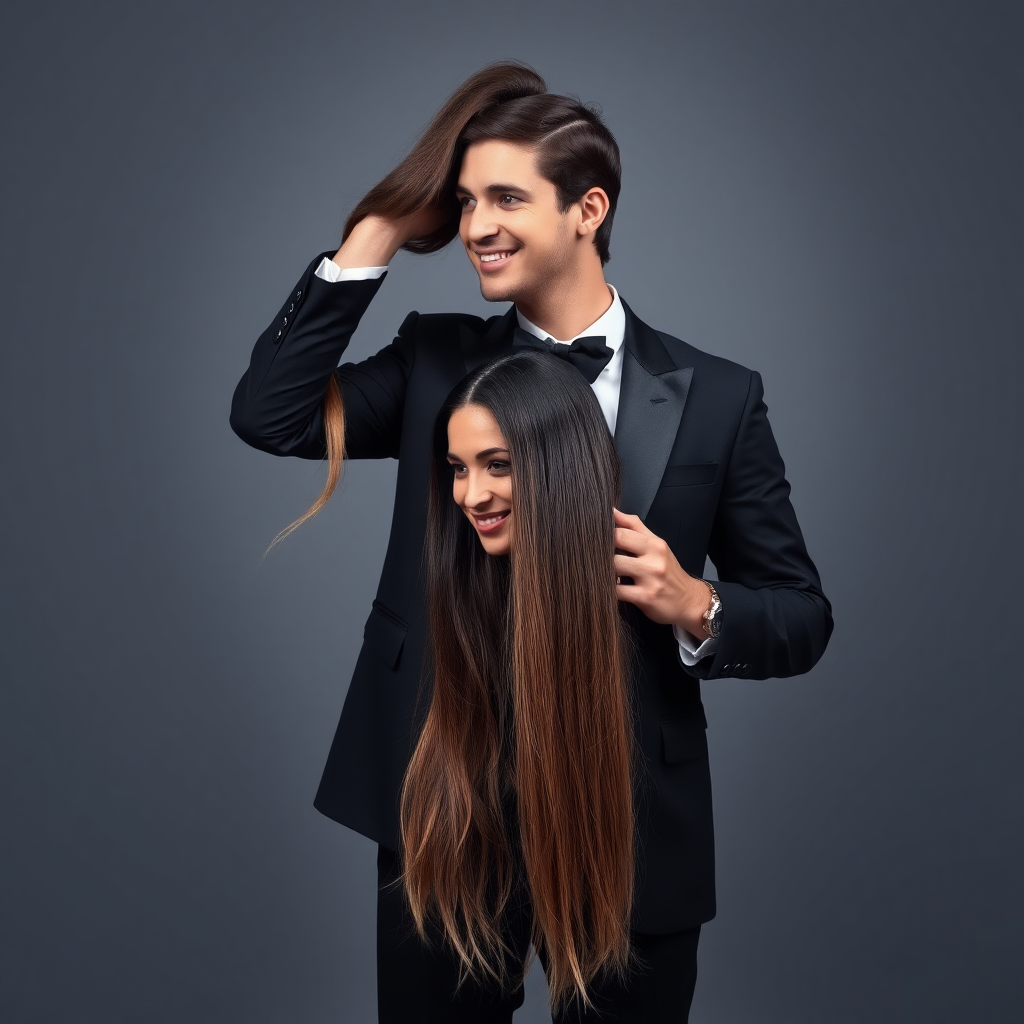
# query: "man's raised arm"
{"type": "Point", "coordinates": [278, 404]}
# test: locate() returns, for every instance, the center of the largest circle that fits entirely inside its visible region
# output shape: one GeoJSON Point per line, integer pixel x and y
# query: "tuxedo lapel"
{"type": "Point", "coordinates": [651, 399]}
{"type": "Point", "coordinates": [496, 341]}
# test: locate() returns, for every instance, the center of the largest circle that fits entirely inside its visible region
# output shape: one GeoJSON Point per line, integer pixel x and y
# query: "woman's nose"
{"type": "Point", "coordinates": [478, 493]}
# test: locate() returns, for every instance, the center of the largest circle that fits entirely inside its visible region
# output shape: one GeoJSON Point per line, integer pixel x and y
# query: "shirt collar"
{"type": "Point", "coordinates": [611, 324]}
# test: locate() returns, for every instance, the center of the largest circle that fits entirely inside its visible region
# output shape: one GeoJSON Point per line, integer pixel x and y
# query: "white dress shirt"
{"type": "Point", "coordinates": [612, 326]}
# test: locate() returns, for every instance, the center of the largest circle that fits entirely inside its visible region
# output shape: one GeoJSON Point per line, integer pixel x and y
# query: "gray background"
{"type": "Point", "coordinates": [827, 192]}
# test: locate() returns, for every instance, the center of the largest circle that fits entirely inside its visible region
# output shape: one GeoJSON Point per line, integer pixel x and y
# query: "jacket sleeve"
{"type": "Point", "coordinates": [776, 619]}
{"type": "Point", "coordinates": [278, 404]}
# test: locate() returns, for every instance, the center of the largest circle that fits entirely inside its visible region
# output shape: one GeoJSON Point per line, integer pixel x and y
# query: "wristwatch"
{"type": "Point", "coordinates": [712, 618]}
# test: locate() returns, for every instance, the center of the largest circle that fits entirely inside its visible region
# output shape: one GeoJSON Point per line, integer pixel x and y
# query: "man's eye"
{"type": "Point", "coordinates": [505, 200]}
{"type": "Point", "coordinates": [465, 202]}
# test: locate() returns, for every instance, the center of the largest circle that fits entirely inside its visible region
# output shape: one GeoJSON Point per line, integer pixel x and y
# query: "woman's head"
{"type": "Point", "coordinates": [522, 446]}
{"type": "Point", "coordinates": [482, 475]}
{"type": "Point", "coordinates": [525, 753]}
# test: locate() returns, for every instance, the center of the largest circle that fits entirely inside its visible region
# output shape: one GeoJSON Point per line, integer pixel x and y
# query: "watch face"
{"type": "Point", "coordinates": [715, 618]}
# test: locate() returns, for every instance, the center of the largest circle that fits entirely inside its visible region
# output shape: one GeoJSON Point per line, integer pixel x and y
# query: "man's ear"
{"type": "Point", "coordinates": [594, 206]}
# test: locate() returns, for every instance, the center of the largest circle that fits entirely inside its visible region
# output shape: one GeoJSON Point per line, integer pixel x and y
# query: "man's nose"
{"type": "Point", "coordinates": [482, 223]}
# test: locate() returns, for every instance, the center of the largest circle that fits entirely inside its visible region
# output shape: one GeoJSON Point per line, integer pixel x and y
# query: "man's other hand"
{"type": "Point", "coordinates": [661, 588]}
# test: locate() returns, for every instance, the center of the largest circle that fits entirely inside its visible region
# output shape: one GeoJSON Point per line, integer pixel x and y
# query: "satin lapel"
{"type": "Point", "coordinates": [651, 399]}
{"type": "Point", "coordinates": [477, 350]}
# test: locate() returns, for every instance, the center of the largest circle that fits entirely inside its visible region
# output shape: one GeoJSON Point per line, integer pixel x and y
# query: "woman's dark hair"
{"type": "Point", "coordinates": [524, 760]}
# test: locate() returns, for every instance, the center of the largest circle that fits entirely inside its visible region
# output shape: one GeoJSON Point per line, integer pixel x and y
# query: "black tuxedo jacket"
{"type": "Point", "coordinates": [700, 467]}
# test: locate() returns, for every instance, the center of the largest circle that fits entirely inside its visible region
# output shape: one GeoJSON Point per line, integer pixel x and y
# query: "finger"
{"type": "Point", "coordinates": [629, 540]}
{"type": "Point", "coordinates": [626, 565]}
{"type": "Point", "coordinates": [633, 595]}
{"type": "Point", "coordinates": [628, 522]}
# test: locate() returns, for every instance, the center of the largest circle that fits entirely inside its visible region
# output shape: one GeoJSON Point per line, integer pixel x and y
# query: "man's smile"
{"type": "Point", "coordinates": [494, 259]}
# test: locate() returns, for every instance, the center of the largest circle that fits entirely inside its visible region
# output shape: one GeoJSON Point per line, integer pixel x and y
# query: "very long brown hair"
{"type": "Point", "coordinates": [509, 101]}
{"type": "Point", "coordinates": [522, 772]}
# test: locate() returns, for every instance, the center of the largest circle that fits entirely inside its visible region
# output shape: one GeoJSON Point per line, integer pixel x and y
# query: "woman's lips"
{"type": "Point", "coordinates": [491, 522]}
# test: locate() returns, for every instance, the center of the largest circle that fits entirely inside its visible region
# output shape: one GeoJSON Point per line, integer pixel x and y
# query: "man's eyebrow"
{"type": "Point", "coordinates": [497, 189]}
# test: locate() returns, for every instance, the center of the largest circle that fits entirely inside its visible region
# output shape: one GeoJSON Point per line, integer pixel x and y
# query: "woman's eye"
{"type": "Point", "coordinates": [465, 202]}
{"type": "Point", "coordinates": [505, 200]}
{"type": "Point", "coordinates": [498, 467]}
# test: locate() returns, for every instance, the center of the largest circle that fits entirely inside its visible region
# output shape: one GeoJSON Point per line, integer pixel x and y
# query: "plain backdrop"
{"type": "Point", "coordinates": [827, 192]}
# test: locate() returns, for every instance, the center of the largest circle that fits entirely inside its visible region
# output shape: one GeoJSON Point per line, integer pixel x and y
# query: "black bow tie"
{"type": "Point", "coordinates": [589, 355]}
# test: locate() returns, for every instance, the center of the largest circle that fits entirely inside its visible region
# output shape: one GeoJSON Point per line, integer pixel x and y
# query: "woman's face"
{"type": "Point", "coordinates": [483, 477]}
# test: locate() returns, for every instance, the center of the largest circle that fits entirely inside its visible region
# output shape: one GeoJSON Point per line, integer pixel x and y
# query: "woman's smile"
{"type": "Point", "coordinates": [481, 475]}
{"type": "Point", "coordinates": [489, 522]}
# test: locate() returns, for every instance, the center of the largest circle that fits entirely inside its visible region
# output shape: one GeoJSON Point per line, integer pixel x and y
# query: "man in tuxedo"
{"type": "Point", "coordinates": [702, 477]}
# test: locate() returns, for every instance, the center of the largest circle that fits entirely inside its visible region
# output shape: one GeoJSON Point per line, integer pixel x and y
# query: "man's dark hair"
{"type": "Point", "coordinates": [574, 149]}
{"type": "Point", "coordinates": [507, 101]}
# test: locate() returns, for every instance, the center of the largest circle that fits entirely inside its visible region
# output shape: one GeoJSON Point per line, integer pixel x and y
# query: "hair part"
{"type": "Point", "coordinates": [524, 762]}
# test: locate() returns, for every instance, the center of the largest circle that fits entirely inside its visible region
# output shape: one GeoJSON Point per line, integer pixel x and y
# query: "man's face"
{"type": "Point", "coordinates": [516, 238]}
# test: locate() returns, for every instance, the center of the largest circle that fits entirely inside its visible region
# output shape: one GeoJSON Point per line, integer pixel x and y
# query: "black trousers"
{"type": "Point", "coordinates": [418, 982]}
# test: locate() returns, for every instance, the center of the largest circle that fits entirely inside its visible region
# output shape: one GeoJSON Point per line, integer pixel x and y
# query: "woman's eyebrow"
{"type": "Point", "coordinates": [452, 457]}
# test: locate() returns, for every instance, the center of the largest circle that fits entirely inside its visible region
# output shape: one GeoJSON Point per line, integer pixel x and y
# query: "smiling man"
{"type": "Point", "coordinates": [524, 247]}
{"type": "Point", "coordinates": [529, 182]}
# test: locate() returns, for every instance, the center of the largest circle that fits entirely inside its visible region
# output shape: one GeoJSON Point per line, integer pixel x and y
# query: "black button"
{"type": "Point", "coordinates": [285, 321]}
{"type": "Point", "coordinates": [298, 294]}
{"type": "Point", "coordinates": [746, 668]}
{"type": "Point", "coordinates": [279, 333]}
{"type": "Point", "coordinates": [726, 668]}
{"type": "Point", "coordinates": [291, 306]}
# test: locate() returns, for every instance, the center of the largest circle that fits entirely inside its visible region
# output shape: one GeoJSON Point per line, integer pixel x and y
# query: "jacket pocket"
{"type": "Point", "coordinates": [688, 476]}
{"type": "Point", "coordinates": [384, 634]}
{"type": "Point", "coordinates": [684, 737]}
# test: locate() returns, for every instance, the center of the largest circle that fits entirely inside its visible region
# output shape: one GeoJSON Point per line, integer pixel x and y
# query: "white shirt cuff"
{"type": "Point", "coordinates": [331, 272]}
{"type": "Point", "coordinates": [690, 652]}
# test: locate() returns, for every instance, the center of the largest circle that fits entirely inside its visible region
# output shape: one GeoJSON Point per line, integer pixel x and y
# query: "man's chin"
{"type": "Point", "coordinates": [498, 291]}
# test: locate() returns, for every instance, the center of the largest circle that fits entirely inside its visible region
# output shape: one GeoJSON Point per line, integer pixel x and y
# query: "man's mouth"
{"type": "Point", "coordinates": [491, 521]}
{"type": "Point", "coordinates": [491, 261]}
